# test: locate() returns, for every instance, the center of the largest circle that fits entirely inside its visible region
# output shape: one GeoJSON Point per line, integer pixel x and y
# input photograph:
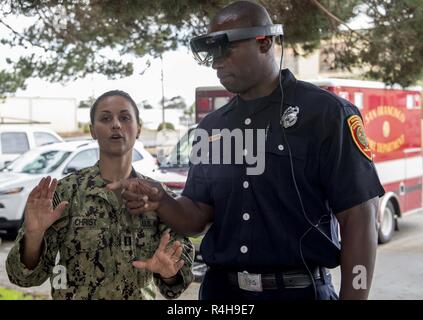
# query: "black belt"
{"type": "Point", "coordinates": [295, 279]}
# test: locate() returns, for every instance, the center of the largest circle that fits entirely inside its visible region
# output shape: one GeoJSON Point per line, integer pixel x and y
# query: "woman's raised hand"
{"type": "Point", "coordinates": [39, 212]}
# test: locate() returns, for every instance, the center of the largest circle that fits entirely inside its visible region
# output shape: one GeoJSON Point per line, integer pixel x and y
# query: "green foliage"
{"type": "Point", "coordinates": [9, 294]}
{"type": "Point", "coordinates": [71, 39]}
{"type": "Point", "coordinates": [305, 25]}
{"type": "Point", "coordinates": [395, 47]}
{"type": "Point", "coordinates": [146, 105]}
{"type": "Point", "coordinates": [84, 127]}
{"type": "Point", "coordinates": [84, 104]}
{"type": "Point", "coordinates": [75, 38]}
{"type": "Point", "coordinates": [167, 125]}
{"type": "Point", "coordinates": [190, 110]}
{"type": "Point", "coordinates": [175, 103]}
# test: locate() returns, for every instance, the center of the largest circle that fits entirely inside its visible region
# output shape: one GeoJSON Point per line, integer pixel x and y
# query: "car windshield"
{"type": "Point", "coordinates": [36, 162]}
{"type": "Point", "coordinates": [179, 156]}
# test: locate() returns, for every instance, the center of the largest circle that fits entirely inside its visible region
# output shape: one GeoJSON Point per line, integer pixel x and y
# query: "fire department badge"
{"type": "Point", "coordinates": [359, 136]}
{"type": "Point", "coordinates": [290, 117]}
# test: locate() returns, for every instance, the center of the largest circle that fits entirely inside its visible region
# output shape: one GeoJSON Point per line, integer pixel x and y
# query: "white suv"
{"type": "Point", "coordinates": [56, 160]}
{"type": "Point", "coordinates": [18, 139]}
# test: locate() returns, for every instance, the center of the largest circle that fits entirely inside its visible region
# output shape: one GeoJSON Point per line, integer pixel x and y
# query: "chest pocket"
{"type": "Point", "coordinates": [277, 145]}
{"type": "Point", "coordinates": [278, 161]}
{"type": "Point", "coordinates": [86, 253]}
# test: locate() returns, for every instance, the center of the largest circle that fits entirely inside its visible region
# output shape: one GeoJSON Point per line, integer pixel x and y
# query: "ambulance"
{"type": "Point", "coordinates": [392, 119]}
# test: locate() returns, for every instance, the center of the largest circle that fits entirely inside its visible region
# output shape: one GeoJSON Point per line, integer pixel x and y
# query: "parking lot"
{"type": "Point", "coordinates": [398, 274]}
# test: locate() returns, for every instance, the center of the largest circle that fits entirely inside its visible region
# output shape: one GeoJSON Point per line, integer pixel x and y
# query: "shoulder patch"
{"type": "Point", "coordinates": [359, 136]}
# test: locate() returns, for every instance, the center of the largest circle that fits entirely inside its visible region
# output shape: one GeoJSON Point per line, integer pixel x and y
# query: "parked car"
{"type": "Point", "coordinates": [173, 169]}
{"type": "Point", "coordinates": [18, 139]}
{"type": "Point", "coordinates": [173, 172]}
{"type": "Point", "coordinates": [57, 160]}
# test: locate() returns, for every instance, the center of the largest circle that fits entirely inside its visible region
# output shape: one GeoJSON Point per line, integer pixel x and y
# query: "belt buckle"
{"type": "Point", "coordinates": [250, 281]}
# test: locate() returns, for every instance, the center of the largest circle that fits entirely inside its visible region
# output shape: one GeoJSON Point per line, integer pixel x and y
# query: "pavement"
{"type": "Point", "coordinates": [398, 273]}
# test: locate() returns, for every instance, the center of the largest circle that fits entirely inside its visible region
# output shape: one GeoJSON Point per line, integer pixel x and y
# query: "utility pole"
{"type": "Point", "coordinates": [163, 97]}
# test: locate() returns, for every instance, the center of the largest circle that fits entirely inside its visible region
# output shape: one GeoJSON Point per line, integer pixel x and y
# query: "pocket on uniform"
{"type": "Point", "coordinates": [277, 145]}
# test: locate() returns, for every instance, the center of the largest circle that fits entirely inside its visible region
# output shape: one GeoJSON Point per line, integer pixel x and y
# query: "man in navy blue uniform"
{"type": "Point", "coordinates": [272, 235]}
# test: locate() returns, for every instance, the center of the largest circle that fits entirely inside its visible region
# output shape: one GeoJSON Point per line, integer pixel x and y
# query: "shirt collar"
{"type": "Point", "coordinates": [289, 83]}
{"type": "Point", "coordinates": [96, 185]}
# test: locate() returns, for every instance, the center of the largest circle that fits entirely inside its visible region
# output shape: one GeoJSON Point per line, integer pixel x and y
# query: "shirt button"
{"type": "Point", "coordinates": [244, 249]}
{"type": "Point", "coordinates": [246, 216]}
{"type": "Point", "coordinates": [280, 147]}
{"type": "Point", "coordinates": [245, 184]}
{"type": "Point", "coordinates": [247, 121]}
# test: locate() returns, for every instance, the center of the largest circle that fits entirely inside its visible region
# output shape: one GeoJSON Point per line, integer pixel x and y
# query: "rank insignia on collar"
{"type": "Point", "coordinates": [290, 117]}
{"type": "Point", "coordinates": [359, 136]}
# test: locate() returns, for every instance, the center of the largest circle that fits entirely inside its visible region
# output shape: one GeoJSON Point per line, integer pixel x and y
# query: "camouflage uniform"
{"type": "Point", "coordinates": [97, 240]}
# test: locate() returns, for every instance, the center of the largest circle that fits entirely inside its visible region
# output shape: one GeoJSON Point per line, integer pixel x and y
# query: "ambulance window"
{"type": "Point", "coordinates": [344, 94]}
{"type": "Point", "coordinates": [410, 101]}
{"type": "Point", "coordinates": [359, 99]}
{"type": "Point", "coordinates": [418, 102]}
{"type": "Point", "coordinates": [220, 102]}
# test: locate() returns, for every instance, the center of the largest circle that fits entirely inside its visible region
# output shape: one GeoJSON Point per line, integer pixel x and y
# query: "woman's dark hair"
{"type": "Point", "coordinates": [113, 93]}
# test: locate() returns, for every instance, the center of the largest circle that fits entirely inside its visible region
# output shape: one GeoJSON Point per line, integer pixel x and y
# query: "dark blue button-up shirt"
{"type": "Point", "coordinates": [259, 219]}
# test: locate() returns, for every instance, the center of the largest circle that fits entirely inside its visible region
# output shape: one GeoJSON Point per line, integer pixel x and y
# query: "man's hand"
{"type": "Point", "coordinates": [139, 195]}
{"type": "Point", "coordinates": [39, 213]}
{"type": "Point", "coordinates": [182, 215]}
{"type": "Point", "coordinates": [165, 261]}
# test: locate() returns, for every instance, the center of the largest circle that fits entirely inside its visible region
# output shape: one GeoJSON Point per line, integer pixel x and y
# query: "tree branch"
{"type": "Point", "coordinates": [335, 18]}
{"type": "Point", "coordinates": [22, 37]}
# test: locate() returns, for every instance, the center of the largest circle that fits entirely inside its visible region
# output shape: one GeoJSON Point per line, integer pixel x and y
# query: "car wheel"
{"type": "Point", "coordinates": [387, 225]}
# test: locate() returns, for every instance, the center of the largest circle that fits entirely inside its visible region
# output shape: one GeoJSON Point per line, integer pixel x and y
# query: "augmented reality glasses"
{"type": "Point", "coordinates": [214, 45]}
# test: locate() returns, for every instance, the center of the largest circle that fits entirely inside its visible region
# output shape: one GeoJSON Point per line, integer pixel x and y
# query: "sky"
{"type": "Point", "coordinates": [181, 73]}
{"type": "Point", "coordinates": [181, 76]}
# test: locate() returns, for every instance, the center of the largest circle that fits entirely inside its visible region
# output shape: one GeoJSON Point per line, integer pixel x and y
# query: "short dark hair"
{"type": "Point", "coordinates": [113, 93]}
{"type": "Point", "coordinates": [248, 13]}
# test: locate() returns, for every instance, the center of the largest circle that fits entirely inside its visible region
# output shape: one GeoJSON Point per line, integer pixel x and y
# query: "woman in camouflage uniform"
{"type": "Point", "coordinates": [79, 234]}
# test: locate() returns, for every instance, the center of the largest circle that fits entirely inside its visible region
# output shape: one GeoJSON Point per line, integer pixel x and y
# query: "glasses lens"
{"type": "Point", "coordinates": [203, 57]}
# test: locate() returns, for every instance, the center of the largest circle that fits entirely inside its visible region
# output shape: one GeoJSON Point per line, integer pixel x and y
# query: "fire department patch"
{"type": "Point", "coordinates": [359, 136]}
